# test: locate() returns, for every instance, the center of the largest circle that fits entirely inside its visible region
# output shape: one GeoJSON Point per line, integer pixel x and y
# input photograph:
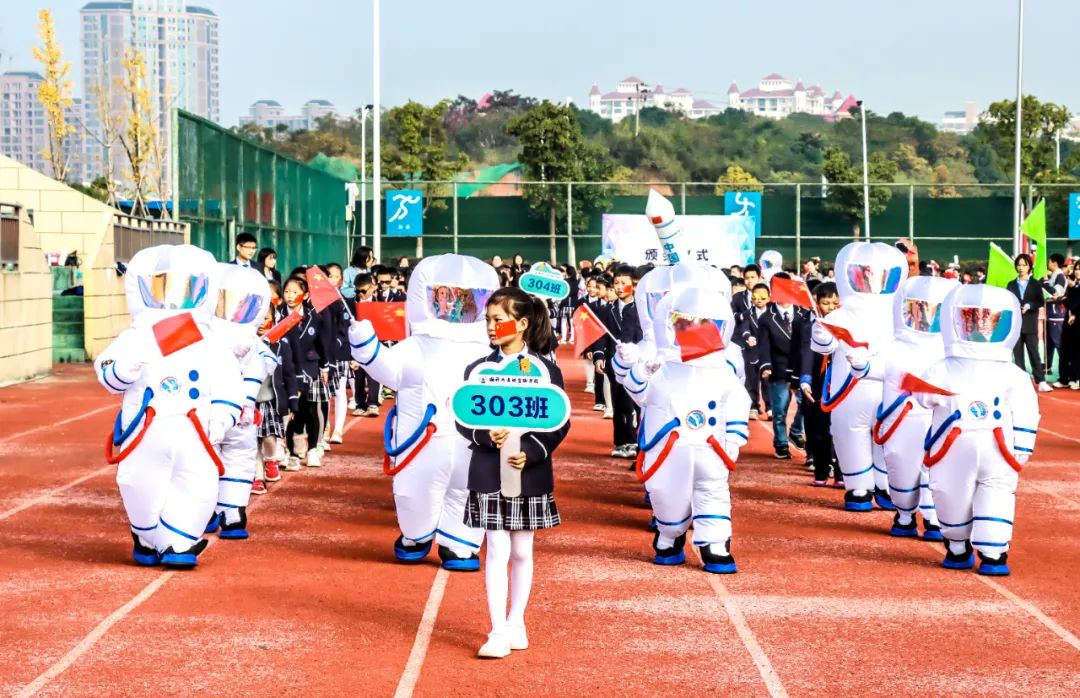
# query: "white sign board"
{"type": "Point", "coordinates": [717, 240]}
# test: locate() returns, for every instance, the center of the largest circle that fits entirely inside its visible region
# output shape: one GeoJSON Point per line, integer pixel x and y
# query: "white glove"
{"type": "Point", "coordinates": [1021, 458]}
{"type": "Point", "coordinates": [821, 335]}
{"type": "Point", "coordinates": [858, 358]}
{"type": "Point", "coordinates": [931, 400]}
{"type": "Point", "coordinates": [628, 354]}
{"type": "Point", "coordinates": [215, 431]}
{"type": "Point", "coordinates": [731, 449]}
{"type": "Point", "coordinates": [241, 350]}
{"type": "Point", "coordinates": [360, 331]}
{"type": "Point", "coordinates": [270, 363]}
{"type": "Point", "coordinates": [129, 371]}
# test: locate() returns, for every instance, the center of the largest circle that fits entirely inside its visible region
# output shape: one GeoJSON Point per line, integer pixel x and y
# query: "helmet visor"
{"type": "Point", "coordinates": [983, 325]}
{"type": "Point", "coordinates": [238, 307]}
{"type": "Point", "coordinates": [864, 278]}
{"type": "Point", "coordinates": [173, 291]}
{"type": "Point", "coordinates": [922, 316]}
{"type": "Point", "coordinates": [457, 305]}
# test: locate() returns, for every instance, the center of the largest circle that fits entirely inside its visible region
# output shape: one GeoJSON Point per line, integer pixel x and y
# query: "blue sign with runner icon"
{"type": "Point", "coordinates": [404, 213]}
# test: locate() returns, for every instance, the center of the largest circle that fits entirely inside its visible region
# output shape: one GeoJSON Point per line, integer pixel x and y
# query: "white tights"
{"type": "Point", "coordinates": [341, 404]}
{"type": "Point", "coordinates": [514, 549]}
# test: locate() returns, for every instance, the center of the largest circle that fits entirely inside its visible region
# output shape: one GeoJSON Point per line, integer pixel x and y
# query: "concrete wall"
{"type": "Point", "coordinates": [26, 311]}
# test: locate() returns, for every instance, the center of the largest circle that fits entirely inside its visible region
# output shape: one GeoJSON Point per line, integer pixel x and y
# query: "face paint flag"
{"type": "Point", "coordinates": [321, 292]}
{"type": "Point", "coordinates": [914, 384]}
{"type": "Point", "coordinates": [587, 329]}
{"type": "Point", "coordinates": [698, 340]}
{"type": "Point", "coordinates": [175, 333]}
{"type": "Point", "coordinates": [275, 333]}
{"type": "Point", "coordinates": [791, 291]}
{"type": "Point", "coordinates": [843, 335]}
{"type": "Point", "coordinates": [505, 329]}
{"type": "Point", "coordinates": [388, 319]}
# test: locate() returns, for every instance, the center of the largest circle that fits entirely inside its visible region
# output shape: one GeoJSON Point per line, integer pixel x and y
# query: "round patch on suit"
{"type": "Point", "coordinates": [170, 385]}
{"type": "Point", "coordinates": [696, 419]}
{"type": "Point", "coordinates": [311, 331]}
{"type": "Point", "coordinates": [978, 410]}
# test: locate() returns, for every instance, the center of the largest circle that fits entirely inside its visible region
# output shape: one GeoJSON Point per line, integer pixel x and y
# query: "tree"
{"type": "Point", "coordinates": [106, 96]}
{"type": "Point", "coordinates": [54, 93]}
{"type": "Point", "coordinates": [417, 151]}
{"type": "Point", "coordinates": [138, 135]}
{"type": "Point", "coordinates": [737, 179]}
{"type": "Point", "coordinates": [848, 200]}
{"type": "Point", "coordinates": [554, 150]}
{"type": "Point", "coordinates": [1041, 123]}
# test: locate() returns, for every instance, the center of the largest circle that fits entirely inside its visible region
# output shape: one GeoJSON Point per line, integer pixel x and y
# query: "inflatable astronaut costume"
{"type": "Point", "coordinates": [688, 443]}
{"type": "Point", "coordinates": [981, 436]}
{"type": "Point", "coordinates": [901, 422]}
{"type": "Point", "coordinates": [868, 275]}
{"type": "Point", "coordinates": [243, 298]}
{"type": "Point", "coordinates": [182, 392]}
{"type": "Point", "coordinates": [427, 457]}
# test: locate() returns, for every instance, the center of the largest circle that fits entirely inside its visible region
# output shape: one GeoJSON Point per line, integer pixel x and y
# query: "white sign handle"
{"type": "Point", "coordinates": [509, 476]}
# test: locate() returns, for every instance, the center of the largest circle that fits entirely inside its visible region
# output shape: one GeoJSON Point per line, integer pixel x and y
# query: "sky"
{"type": "Point", "coordinates": [921, 57]}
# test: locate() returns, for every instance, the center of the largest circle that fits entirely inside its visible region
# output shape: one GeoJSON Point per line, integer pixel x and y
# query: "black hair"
{"type": "Point", "coordinates": [293, 278]}
{"type": "Point", "coordinates": [824, 290]}
{"type": "Point", "coordinates": [781, 275]}
{"type": "Point", "coordinates": [623, 270]}
{"type": "Point", "coordinates": [264, 253]}
{"type": "Point", "coordinates": [1026, 258]}
{"type": "Point", "coordinates": [539, 337]}
{"type": "Point", "coordinates": [1058, 259]}
{"type": "Point", "coordinates": [245, 238]}
{"type": "Point", "coordinates": [736, 281]}
{"type": "Point", "coordinates": [381, 269]}
{"type": "Point", "coordinates": [605, 280]}
{"type": "Point", "coordinates": [300, 272]}
{"type": "Point", "coordinates": [752, 267]}
{"type": "Point", "coordinates": [331, 265]}
{"type": "Point", "coordinates": [362, 280]}
{"type": "Point", "coordinates": [360, 257]}
{"type": "Point", "coordinates": [760, 286]}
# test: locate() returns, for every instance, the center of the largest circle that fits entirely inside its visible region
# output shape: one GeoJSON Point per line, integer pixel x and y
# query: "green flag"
{"type": "Point", "coordinates": [999, 270]}
{"type": "Point", "coordinates": [1034, 226]}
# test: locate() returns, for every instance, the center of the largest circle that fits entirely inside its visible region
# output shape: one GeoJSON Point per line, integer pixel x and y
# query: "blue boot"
{"type": "Point", "coordinates": [858, 502]}
{"type": "Point", "coordinates": [717, 564]}
{"type": "Point", "coordinates": [994, 567]}
{"type": "Point", "coordinates": [932, 532]}
{"type": "Point", "coordinates": [411, 553]}
{"type": "Point", "coordinates": [143, 555]}
{"type": "Point", "coordinates": [675, 555]}
{"type": "Point", "coordinates": [455, 563]}
{"type": "Point", "coordinates": [236, 530]}
{"type": "Point", "coordinates": [213, 524]}
{"type": "Point", "coordinates": [185, 560]}
{"type": "Point", "coordinates": [884, 500]}
{"type": "Point", "coordinates": [902, 530]}
{"type": "Point", "coordinates": [959, 561]}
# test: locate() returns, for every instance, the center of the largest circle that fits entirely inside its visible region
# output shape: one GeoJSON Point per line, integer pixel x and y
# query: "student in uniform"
{"type": "Point", "coordinates": [338, 317]}
{"type": "Point", "coordinates": [365, 389]}
{"type": "Point", "coordinates": [622, 321]}
{"type": "Point", "coordinates": [511, 522]}
{"type": "Point", "coordinates": [600, 307]}
{"type": "Point", "coordinates": [819, 445]}
{"type": "Point", "coordinates": [278, 401]}
{"type": "Point", "coordinates": [312, 373]}
{"type": "Point", "coordinates": [779, 337]}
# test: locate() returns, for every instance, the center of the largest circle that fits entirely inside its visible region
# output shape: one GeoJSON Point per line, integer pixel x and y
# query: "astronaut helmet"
{"type": "Point", "coordinates": [243, 296]}
{"type": "Point", "coordinates": [770, 262]}
{"type": "Point", "coordinates": [662, 280]}
{"type": "Point", "coordinates": [689, 307]}
{"type": "Point", "coordinates": [980, 322]}
{"type": "Point", "coordinates": [917, 307]}
{"type": "Point", "coordinates": [167, 280]}
{"type": "Point", "coordinates": [447, 295]}
{"type": "Point", "coordinates": [868, 274]}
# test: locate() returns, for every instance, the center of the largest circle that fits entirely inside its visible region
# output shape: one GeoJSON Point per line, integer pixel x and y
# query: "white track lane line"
{"type": "Point", "coordinates": [411, 673]}
{"type": "Point", "coordinates": [53, 425]}
{"type": "Point", "coordinates": [73, 655]}
{"type": "Point", "coordinates": [749, 640]}
{"type": "Point", "coordinates": [55, 491]}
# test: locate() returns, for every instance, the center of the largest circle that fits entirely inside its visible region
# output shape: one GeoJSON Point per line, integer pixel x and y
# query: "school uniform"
{"type": "Point", "coordinates": [599, 309]}
{"type": "Point", "coordinates": [1055, 317]}
{"type": "Point", "coordinates": [779, 336]}
{"type": "Point", "coordinates": [1031, 299]}
{"type": "Point", "coordinates": [281, 390]}
{"type": "Point", "coordinates": [311, 346]}
{"type": "Point", "coordinates": [535, 508]}
{"type": "Point", "coordinates": [366, 392]}
{"type": "Point", "coordinates": [336, 318]}
{"type": "Point", "coordinates": [816, 421]}
{"type": "Point", "coordinates": [752, 357]}
{"type": "Point", "coordinates": [622, 320]}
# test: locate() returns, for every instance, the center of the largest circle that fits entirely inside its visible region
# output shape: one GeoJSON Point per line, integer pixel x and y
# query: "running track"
{"type": "Point", "coordinates": [825, 602]}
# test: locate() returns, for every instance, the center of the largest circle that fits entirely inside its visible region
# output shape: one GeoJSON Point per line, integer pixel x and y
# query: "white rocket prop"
{"type": "Point", "coordinates": [662, 215]}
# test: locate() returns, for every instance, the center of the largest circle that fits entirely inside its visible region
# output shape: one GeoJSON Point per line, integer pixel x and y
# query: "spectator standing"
{"type": "Point", "coordinates": [1030, 293]}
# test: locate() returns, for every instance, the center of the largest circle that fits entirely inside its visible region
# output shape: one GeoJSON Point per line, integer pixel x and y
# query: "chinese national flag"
{"type": "Point", "coordinates": [914, 384]}
{"type": "Point", "coordinates": [275, 333]}
{"type": "Point", "coordinates": [699, 340]}
{"type": "Point", "coordinates": [175, 333]}
{"type": "Point", "coordinates": [587, 329]}
{"type": "Point", "coordinates": [843, 335]}
{"type": "Point", "coordinates": [321, 292]}
{"type": "Point", "coordinates": [793, 291]}
{"type": "Point", "coordinates": [388, 319]}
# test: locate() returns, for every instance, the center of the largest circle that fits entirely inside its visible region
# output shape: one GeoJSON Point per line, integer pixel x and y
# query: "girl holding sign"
{"type": "Point", "coordinates": [517, 325]}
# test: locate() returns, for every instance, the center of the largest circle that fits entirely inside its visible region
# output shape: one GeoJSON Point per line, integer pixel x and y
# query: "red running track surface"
{"type": "Point", "coordinates": [825, 603]}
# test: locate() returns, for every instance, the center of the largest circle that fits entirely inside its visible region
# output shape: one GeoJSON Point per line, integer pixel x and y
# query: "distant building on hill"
{"type": "Point", "coordinates": [269, 113]}
{"type": "Point", "coordinates": [960, 122]}
{"type": "Point", "coordinates": [632, 94]}
{"type": "Point", "coordinates": [776, 97]}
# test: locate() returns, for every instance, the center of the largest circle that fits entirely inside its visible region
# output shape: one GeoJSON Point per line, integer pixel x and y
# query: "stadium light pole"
{"type": "Point", "coordinates": [363, 173]}
{"type": "Point", "coordinates": [1019, 118]}
{"type": "Point", "coordinates": [376, 153]}
{"type": "Point", "coordinates": [865, 172]}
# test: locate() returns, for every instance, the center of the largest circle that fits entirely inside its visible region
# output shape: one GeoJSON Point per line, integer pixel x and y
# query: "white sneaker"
{"type": "Point", "coordinates": [324, 446]}
{"type": "Point", "coordinates": [598, 407]}
{"type": "Point", "coordinates": [291, 464]}
{"type": "Point", "coordinates": [1058, 384]}
{"type": "Point", "coordinates": [359, 412]}
{"type": "Point", "coordinates": [373, 411]}
{"type": "Point", "coordinates": [589, 388]}
{"type": "Point", "coordinates": [618, 452]}
{"type": "Point", "coordinates": [314, 458]}
{"type": "Point", "coordinates": [496, 647]}
{"type": "Point", "coordinates": [335, 438]}
{"type": "Point", "coordinates": [1044, 387]}
{"type": "Point", "coordinates": [518, 638]}
{"type": "Point", "coordinates": [609, 414]}
{"type": "Point", "coordinates": [352, 404]}
{"type": "Point", "coordinates": [1074, 385]}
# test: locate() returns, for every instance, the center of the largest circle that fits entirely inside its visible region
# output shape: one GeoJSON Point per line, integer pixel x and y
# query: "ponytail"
{"type": "Point", "coordinates": [539, 337]}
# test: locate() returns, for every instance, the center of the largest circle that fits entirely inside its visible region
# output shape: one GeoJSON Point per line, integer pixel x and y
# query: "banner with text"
{"type": "Point", "coordinates": [717, 240]}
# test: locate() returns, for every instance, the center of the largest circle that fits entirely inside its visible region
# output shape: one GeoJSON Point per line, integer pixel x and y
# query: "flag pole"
{"type": "Point", "coordinates": [1019, 119]}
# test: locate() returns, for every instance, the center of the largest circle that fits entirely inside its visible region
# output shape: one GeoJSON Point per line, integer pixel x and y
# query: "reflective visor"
{"type": "Point", "coordinates": [171, 291]}
{"type": "Point", "coordinates": [983, 325]}
{"type": "Point", "coordinates": [864, 278]}
{"type": "Point", "coordinates": [241, 308]}
{"type": "Point", "coordinates": [457, 305]}
{"type": "Point", "coordinates": [922, 316]}
{"type": "Point", "coordinates": [682, 322]}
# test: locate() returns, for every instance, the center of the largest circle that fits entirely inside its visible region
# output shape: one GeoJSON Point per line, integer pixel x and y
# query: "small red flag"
{"type": "Point", "coordinates": [505, 329]}
{"type": "Point", "coordinates": [914, 384]}
{"type": "Point", "coordinates": [791, 291]}
{"type": "Point", "coordinates": [699, 340]}
{"type": "Point", "coordinates": [175, 333]}
{"type": "Point", "coordinates": [587, 329]}
{"type": "Point", "coordinates": [275, 333]}
{"type": "Point", "coordinates": [388, 319]}
{"type": "Point", "coordinates": [321, 292]}
{"type": "Point", "coordinates": [843, 335]}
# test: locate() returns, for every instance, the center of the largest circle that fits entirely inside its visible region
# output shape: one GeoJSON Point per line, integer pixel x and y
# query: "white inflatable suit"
{"type": "Point", "coordinates": [980, 437]}
{"type": "Point", "coordinates": [182, 391]}
{"type": "Point", "coordinates": [868, 276]}
{"type": "Point", "coordinates": [693, 424]}
{"type": "Point", "coordinates": [770, 262]}
{"type": "Point", "coordinates": [243, 298]}
{"type": "Point", "coordinates": [424, 452]}
{"type": "Point", "coordinates": [902, 422]}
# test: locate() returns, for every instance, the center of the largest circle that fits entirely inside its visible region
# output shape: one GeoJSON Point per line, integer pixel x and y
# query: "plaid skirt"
{"type": "Point", "coordinates": [339, 370]}
{"type": "Point", "coordinates": [492, 511]}
{"type": "Point", "coordinates": [272, 424]}
{"type": "Point", "coordinates": [313, 388]}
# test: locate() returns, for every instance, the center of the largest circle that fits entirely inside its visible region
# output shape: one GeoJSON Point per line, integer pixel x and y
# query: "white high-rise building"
{"type": "Point", "coordinates": [268, 113]}
{"type": "Point", "coordinates": [24, 126]}
{"type": "Point", "coordinates": [180, 45]}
